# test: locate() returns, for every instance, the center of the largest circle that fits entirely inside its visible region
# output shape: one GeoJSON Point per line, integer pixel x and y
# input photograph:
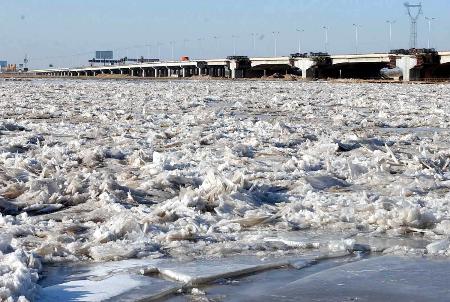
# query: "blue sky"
{"type": "Point", "coordinates": [67, 32]}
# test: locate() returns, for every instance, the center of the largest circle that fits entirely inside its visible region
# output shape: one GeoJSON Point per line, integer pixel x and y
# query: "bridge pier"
{"type": "Point", "coordinates": [406, 65]}
{"type": "Point", "coordinates": [238, 67]}
{"type": "Point", "coordinates": [305, 65]}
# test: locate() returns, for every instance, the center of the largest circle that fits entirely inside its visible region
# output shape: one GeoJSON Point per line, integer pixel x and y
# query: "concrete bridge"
{"type": "Point", "coordinates": [359, 66]}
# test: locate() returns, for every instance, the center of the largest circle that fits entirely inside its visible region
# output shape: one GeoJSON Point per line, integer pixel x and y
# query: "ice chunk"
{"type": "Point", "coordinates": [120, 287]}
{"type": "Point", "coordinates": [205, 271]}
{"type": "Point", "coordinates": [325, 182]}
{"type": "Point", "coordinates": [376, 279]}
{"type": "Point", "coordinates": [18, 276]}
{"type": "Point", "coordinates": [443, 227]}
{"type": "Point", "coordinates": [440, 246]}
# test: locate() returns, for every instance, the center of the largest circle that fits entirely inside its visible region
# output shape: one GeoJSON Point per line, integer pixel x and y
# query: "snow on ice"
{"type": "Point", "coordinates": [111, 170]}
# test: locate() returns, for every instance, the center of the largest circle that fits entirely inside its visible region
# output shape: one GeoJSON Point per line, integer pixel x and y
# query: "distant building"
{"type": "Point", "coordinates": [104, 55]}
{"type": "Point", "coordinates": [3, 65]}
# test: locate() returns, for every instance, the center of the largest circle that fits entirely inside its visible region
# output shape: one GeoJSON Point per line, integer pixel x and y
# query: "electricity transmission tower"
{"type": "Point", "coordinates": [414, 12]}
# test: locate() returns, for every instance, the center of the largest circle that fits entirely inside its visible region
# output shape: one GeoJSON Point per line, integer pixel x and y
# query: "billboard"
{"type": "Point", "coordinates": [104, 55]}
{"type": "Point", "coordinates": [3, 63]}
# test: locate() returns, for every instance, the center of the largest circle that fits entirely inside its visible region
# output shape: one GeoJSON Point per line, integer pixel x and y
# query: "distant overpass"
{"type": "Point", "coordinates": [413, 67]}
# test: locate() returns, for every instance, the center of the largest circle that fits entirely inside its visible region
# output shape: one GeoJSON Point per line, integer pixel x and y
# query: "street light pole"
{"type": "Point", "coordinates": [184, 44]}
{"type": "Point", "coordinates": [200, 45]}
{"type": "Point", "coordinates": [172, 43]}
{"type": "Point", "coordinates": [429, 19]}
{"type": "Point", "coordinates": [254, 42]}
{"type": "Point", "coordinates": [300, 31]}
{"type": "Point", "coordinates": [357, 27]}
{"type": "Point", "coordinates": [216, 38]}
{"type": "Point", "coordinates": [159, 50]}
{"type": "Point", "coordinates": [234, 44]}
{"type": "Point", "coordinates": [275, 40]}
{"type": "Point", "coordinates": [326, 38]}
{"type": "Point", "coordinates": [390, 22]}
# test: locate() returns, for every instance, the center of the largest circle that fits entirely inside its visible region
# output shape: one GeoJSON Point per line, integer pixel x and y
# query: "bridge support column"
{"type": "Point", "coordinates": [235, 72]}
{"type": "Point", "coordinates": [183, 72]}
{"type": "Point", "coordinates": [132, 72]}
{"type": "Point", "coordinates": [304, 64]}
{"type": "Point", "coordinates": [406, 64]}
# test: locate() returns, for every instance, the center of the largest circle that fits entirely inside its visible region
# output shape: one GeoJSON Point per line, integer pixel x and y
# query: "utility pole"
{"type": "Point", "coordinates": [300, 31]}
{"type": "Point", "coordinates": [390, 22]}
{"type": "Point", "coordinates": [275, 40]}
{"type": "Point", "coordinates": [414, 17]}
{"type": "Point", "coordinates": [357, 27]}
{"type": "Point", "coordinates": [326, 38]}
{"type": "Point", "coordinates": [429, 19]}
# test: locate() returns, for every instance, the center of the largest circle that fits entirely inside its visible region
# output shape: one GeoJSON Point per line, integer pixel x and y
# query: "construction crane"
{"type": "Point", "coordinates": [414, 12]}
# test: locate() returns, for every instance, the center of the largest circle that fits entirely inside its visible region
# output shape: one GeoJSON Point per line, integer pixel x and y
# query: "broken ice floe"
{"type": "Point", "coordinates": [100, 171]}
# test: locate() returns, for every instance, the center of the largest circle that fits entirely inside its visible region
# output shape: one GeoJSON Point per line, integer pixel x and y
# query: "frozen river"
{"type": "Point", "coordinates": [232, 172]}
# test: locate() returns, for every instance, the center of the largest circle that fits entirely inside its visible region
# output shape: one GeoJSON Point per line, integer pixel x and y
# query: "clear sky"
{"type": "Point", "coordinates": [67, 32]}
